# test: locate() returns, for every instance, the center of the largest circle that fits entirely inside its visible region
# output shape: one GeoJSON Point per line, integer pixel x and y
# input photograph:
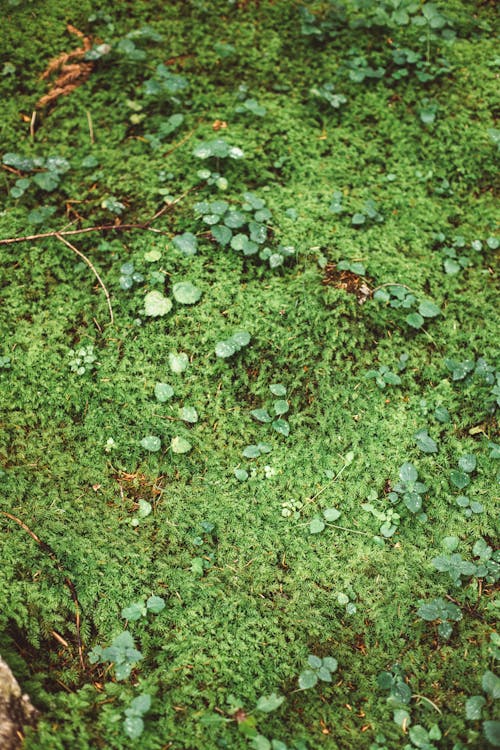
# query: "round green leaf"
{"type": "Point", "coordinates": [163, 392]}
{"type": "Point", "coordinates": [467, 463]}
{"type": "Point", "coordinates": [156, 304]}
{"type": "Point", "coordinates": [180, 445]}
{"type": "Point", "coordinates": [178, 361]}
{"type": "Point", "coordinates": [415, 320]}
{"type": "Point", "coordinates": [151, 443]}
{"type": "Point", "coordinates": [155, 604]}
{"type": "Point", "coordinates": [331, 514]}
{"type": "Point", "coordinates": [186, 243]}
{"type": "Point", "coordinates": [186, 293]}
{"type": "Point", "coordinates": [268, 703]}
{"type": "Point", "coordinates": [189, 414]}
{"type": "Point", "coordinates": [277, 389]}
{"type": "Point", "coordinates": [307, 679]}
{"type": "Point", "coordinates": [133, 726]}
{"type": "Point", "coordinates": [316, 526]}
{"type": "Point", "coordinates": [225, 349]}
{"type": "Point", "coordinates": [428, 309]}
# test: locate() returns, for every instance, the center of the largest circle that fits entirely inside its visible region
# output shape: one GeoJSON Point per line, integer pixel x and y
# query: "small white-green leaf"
{"type": "Point", "coordinates": [156, 304]}
{"type": "Point", "coordinates": [145, 508]}
{"type": "Point", "coordinates": [186, 243]}
{"type": "Point", "coordinates": [178, 361]}
{"type": "Point", "coordinates": [225, 349]}
{"type": "Point", "coordinates": [186, 293]}
{"type": "Point", "coordinates": [155, 604]}
{"type": "Point", "coordinates": [307, 679]}
{"type": "Point", "coordinates": [467, 463]}
{"type": "Point", "coordinates": [163, 392]}
{"type": "Point", "coordinates": [133, 726]}
{"type": "Point", "coordinates": [261, 415]}
{"type": "Point", "coordinates": [180, 445]}
{"type": "Point", "coordinates": [428, 309]}
{"type": "Point", "coordinates": [277, 389]}
{"type": "Point", "coordinates": [473, 707]}
{"type": "Point", "coordinates": [316, 526]}
{"type": "Point", "coordinates": [281, 407]}
{"type": "Point", "coordinates": [241, 475]}
{"type": "Point", "coordinates": [331, 514]}
{"type": "Point", "coordinates": [151, 443]}
{"type": "Point", "coordinates": [281, 426]}
{"type": "Point", "coordinates": [415, 320]}
{"type": "Point", "coordinates": [189, 414]}
{"type": "Point", "coordinates": [268, 703]}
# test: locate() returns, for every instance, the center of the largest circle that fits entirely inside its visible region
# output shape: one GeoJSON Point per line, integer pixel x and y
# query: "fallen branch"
{"type": "Point", "coordinates": [94, 271]}
{"type": "Point", "coordinates": [69, 583]}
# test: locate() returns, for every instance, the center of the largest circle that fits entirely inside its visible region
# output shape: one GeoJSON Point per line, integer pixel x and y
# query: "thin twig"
{"type": "Point", "coordinates": [91, 127]}
{"type": "Point", "coordinates": [93, 269]}
{"type": "Point", "coordinates": [32, 125]}
{"type": "Point", "coordinates": [69, 583]}
{"type": "Point", "coordinates": [428, 700]}
{"type": "Point", "coordinates": [144, 225]}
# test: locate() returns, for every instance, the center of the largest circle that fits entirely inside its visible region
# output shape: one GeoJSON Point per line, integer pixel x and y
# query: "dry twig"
{"type": "Point", "coordinates": [69, 583]}
{"type": "Point", "coordinates": [93, 269]}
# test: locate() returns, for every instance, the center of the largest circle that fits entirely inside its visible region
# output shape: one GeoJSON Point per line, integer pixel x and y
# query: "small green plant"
{"type": "Point", "coordinates": [326, 93]}
{"type": "Point", "coordinates": [442, 611]}
{"type": "Point", "coordinates": [217, 148]}
{"type": "Point", "coordinates": [133, 725]}
{"type": "Point", "coordinates": [399, 297]}
{"type": "Point", "coordinates": [476, 704]}
{"type": "Point", "coordinates": [395, 684]}
{"type": "Point", "coordinates": [317, 669]}
{"type": "Point", "coordinates": [291, 509]}
{"type": "Point", "coordinates": [129, 276]}
{"type": "Point", "coordinates": [409, 489]}
{"type": "Point", "coordinates": [280, 407]}
{"type": "Point", "coordinates": [318, 523]}
{"type": "Point", "coordinates": [383, 376]}
{"type": "Point", "coordinates": [424, 442]}
{"type": "Point", "coordinates": [255, 451]}
{"type": "Point", "coordinates": [154, 604]}
{"type": "Point", "coordinates": [369, 215]}
{"type": "Point", "coordinates": [82, 360]}
{"type": "Point", "coordinates": [5, 363]}
{"type": "Point", "coordinates": [122, 654]}
{"type": "Point", "coordinates": [460, 477]}
{"type": "Point", "coordinates": [486, 567]}
{"type": "Point", "coordinates": [228, 347]}
{"type": "Point", "coordinates": [389, 517]}
{"type": "Point", "coordinates": [47, 172]}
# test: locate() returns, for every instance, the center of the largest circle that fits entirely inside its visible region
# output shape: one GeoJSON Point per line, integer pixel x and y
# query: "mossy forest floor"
{"type": "Point", "coordinates": [327, 173]}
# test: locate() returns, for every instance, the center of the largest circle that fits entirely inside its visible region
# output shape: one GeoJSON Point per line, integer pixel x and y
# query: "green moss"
{"type": "Point", "coordinates": [268, 596]}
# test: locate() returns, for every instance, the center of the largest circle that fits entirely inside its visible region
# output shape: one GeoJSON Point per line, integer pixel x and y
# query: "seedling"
{"type": "Point", "coordinates": [409, 489]}
{"type": "Point", "coordinates": [133, 726]}
{"type": "Point", "coordinates": [139, 609]}
{"type": "Point", "coordinates": [326, 93]}
{"type": "Point", "coordinates": [317, 669]}
{"type": "Point", "coordinates": [122, 654]}
{"type": "Point", "coordinates": [129, 276]}
{"type": "Point", "coordinates": [475, 705]}
{"type": "Point", "coordinates": [219, 149]}
{"type": "Point", "coordinates": [424, 442]}
{"type": "Point", "coordinates": [82, 360]}
{"type": "Point", "coordinates": [442, 611]}
{"type": "Point", "coordinates": [280, 407]}
{"type": "Point", "coordinates": [383, 376]}
{"type": "Point", "coordinates": [232, 345]}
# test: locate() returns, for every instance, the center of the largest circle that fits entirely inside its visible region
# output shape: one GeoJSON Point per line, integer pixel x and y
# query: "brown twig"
{"type": "Point", "coordinates": [93, 269]}
{"type": "Point", "coordinates": [69, 583]}
{"type": "Point", "coordinates": [144, 225]}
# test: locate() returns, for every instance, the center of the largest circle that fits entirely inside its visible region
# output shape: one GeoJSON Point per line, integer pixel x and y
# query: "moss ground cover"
{"type": "Point", "coordinates": [323, 485]}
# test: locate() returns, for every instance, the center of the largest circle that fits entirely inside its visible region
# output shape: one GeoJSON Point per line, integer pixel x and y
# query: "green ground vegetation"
{"type": "Point", "coordinates": [272, 479]}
